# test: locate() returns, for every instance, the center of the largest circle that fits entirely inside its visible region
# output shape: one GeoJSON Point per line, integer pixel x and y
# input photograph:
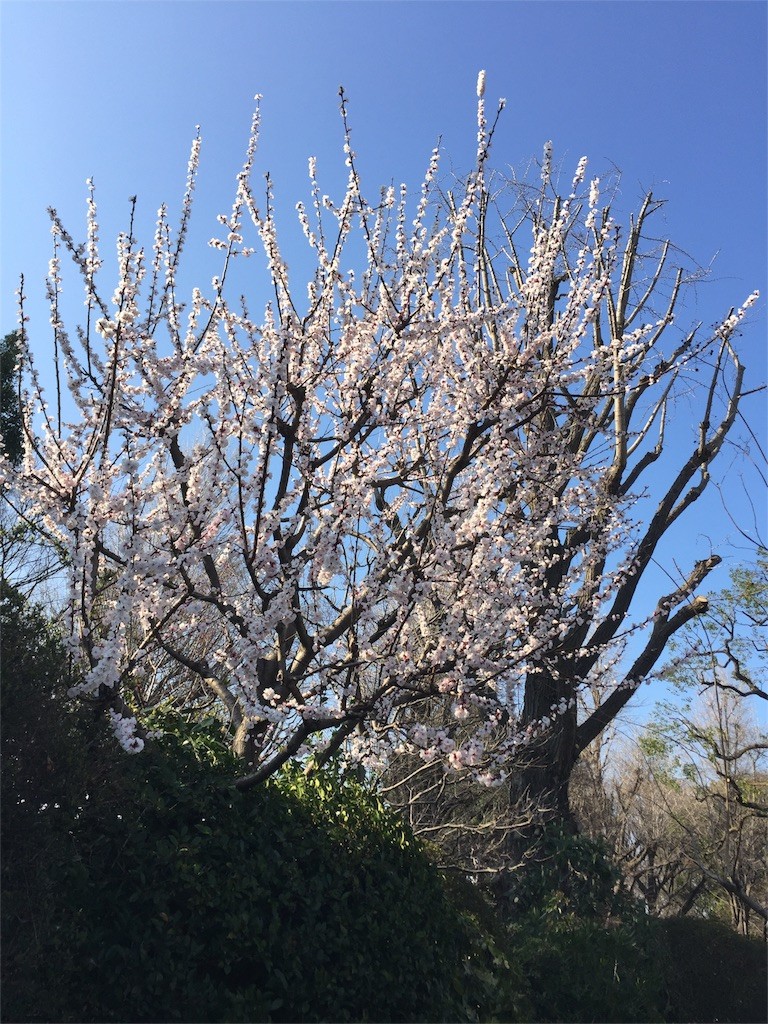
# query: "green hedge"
{"type": "Point", "coordinates": [146, 888]}
{"type": "Point", "coordinates": [712, 973]}
{"type": "Point", "coordinates": [172, 896]}
{"type": "Point", "coordinates": [586, 951]}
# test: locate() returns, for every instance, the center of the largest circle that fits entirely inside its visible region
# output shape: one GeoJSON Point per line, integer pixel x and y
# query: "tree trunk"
{"type": "Point", "coordinates": [739, 915]}
{"type": "Point", "coordinates": [538, 792]}
{"type": "Point", "coordinates": [245, 742]}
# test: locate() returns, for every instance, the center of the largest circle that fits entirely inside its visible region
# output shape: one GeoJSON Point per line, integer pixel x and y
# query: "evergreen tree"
{"type": "Point", "coordinates": [10, 406]}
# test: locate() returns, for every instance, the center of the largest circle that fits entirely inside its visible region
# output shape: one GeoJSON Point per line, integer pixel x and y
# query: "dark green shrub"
{"type": "Point", "coordinates": [162, 893]}
{"type": "Point", "coordinates": [582, 970]}
{"type": "Point", "coordinates": [42, 734]}
{"type": "Point", "coordinates": [49, 750]}
{"type": "Point", "coordinates": [586, 951]}
{"type": "Point", "coordinates": [491, 985]}
{"type": "Point", "coordinates": [567, 874]}
{"type": "Point", "coordinates": [712, 973]}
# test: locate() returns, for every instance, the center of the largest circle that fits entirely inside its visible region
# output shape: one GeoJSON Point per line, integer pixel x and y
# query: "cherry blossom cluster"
{"type": "Point", "coordinates": [125, 732]}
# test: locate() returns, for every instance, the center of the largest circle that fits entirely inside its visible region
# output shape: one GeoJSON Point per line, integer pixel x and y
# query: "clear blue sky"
{"type": "Point", "coordinates": [672, 93]}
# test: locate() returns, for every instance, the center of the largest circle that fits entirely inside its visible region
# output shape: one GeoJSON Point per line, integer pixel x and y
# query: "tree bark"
{"type": "Point", "coordinates": [538, 792]}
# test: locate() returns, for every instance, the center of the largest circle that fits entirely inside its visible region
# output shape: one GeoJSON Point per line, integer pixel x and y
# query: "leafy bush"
{"type": "Point", "coordinates": [589, 953]}
{"type": "Point", "coordinates": [567, 873]}
{"type": "Point", "coordinates": [585, 950]}
{"type": "Point", "coordinates": [713, 973]}
{"type": "Point", "coordinates": [568, 947]}
{"type": "Point", "coordinates": [303, 900]}
{"type": "Point", "coordinates": [176, 897]}
{"type": "Point", "coordinates": [582, 970]}
{"type": "Point", "coordinates": [42, 737]}
{"type": "Point", "coordinates": [491, 985]}
{"type": "Point", "coordinates": [49, 751]}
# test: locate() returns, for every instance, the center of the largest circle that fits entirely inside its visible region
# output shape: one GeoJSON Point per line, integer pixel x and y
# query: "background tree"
{"type": "Point", "coordinates": [698, 829]}
{"type": "Point", "coordinates": [422, 477]}
{"type": "Point", "coordinates": [728, 647]}
{"type": "Point", "coordinates": [11, 429]}
{"type": "Point", "coordinates": [723, 656]}
{"type": "Point", "coordinates": [684, 805]}
{"type": "Point", "coordinates": [27, 556]}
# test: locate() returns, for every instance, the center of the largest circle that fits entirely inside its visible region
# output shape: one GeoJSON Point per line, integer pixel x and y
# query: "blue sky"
{"type": "Point", "coordinates": [672, 94]}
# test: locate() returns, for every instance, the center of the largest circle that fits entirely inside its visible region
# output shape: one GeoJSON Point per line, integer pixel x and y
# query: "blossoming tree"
{"type": "Point", "coordinates": [420, 476]}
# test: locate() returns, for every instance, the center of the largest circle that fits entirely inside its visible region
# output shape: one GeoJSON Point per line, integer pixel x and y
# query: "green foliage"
{"type": "Point", "coordinates": [584, 948]}
{"type": "Point", "coordinates": [579, 969]}
{"type": "Point", "coordinates": [654, 744]}
{"type": "Point", "coordinates": [728, 644]}
{"type": "Point", "coordinates": [42, 733]}
{"type": "Point", "coordinates": [49, 750]}
{"type": "Point", "coordinates": [491, 985]}
{"type": "Point", "coordinates": [568, 874]}
{"type": "Point", "coordinates": [712, 973]}
{"type": "Point", "coordinates": [159, 892]}
{"type": "Point", "coordinates": [10, 411]}
{"type": "Point", "coordinates": [659, 744]}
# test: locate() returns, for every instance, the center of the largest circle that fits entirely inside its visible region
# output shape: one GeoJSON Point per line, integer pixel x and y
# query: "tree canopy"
{"type": "Point", "coordinates": [420, 477]}
{"type": "Point", "coordinates": [11, 430]}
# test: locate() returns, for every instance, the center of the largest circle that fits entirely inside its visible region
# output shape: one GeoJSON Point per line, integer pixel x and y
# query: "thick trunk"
{"type": "Point", "coordinates": [249, 736]}
{"type": "Point", "coordinates": [245, 743]}
{"type": "Point", "coordinates": [539, 785]}
{"type": "Point", "coordinates": [538, 792]}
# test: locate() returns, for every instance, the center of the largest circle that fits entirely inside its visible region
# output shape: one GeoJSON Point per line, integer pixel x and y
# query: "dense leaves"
{"type": "Point", "coordinates": [11, 420]}
{"type": "Point", "coordinates": [187, 900]}
{"type": "Point", "coordinates": [586, 951]}
{"type": "Point", "coordinates": [712, 973]}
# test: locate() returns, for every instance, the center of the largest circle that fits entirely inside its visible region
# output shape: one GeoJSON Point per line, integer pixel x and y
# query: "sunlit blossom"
{"type": "Point", "coordinates": [406, 479]}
